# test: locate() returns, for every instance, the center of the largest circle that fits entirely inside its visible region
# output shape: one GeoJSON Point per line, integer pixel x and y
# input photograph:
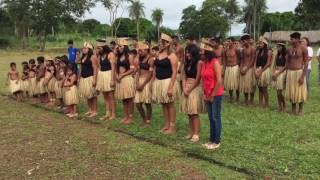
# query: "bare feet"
{"type": "Point", "coordinates": [92, 115]}
{"type": "Point", "coordinates": [171, 130]}
{"type": "Point", "coordinates": [164, 129]}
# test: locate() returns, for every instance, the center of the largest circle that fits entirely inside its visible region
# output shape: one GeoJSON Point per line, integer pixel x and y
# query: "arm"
{"type": "Point", "coordinates": [253, 58]}
{"type": "Point", "coordinates": [72, 80]}
{"type": "Point", "coordinates": [269, 61]}
{"type": "Point", "coordinates": [174, 65]}
{"type": "Point", "coordinates": [198, 78]}
{"type": "Point", "coordinates": [304, 64]}
{"type": "Point", "coordinates": [131, 70]}
{"type": "Point", "coordinates": [217, 69]}
{"type": "Point", "coordinates": [149, 77]}
{"type": "Point", "coordinates": [112, 58]}
{"type": "Point", "coordinates": [95, 69]}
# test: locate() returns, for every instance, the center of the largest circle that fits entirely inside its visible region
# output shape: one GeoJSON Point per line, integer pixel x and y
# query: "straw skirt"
{"type": "Point", "coordinates": [247, 82]}
{"type": "Point", "coordinates": [294, 92]}
{"type": "Point", "coordinates": [160, 89]}
{"type": "Point", "coordinates": [104, 81]}
{"type": "Point", "coordinates": [280, 82]}
{"type": "Point", "coordinates": [86, 89]}
{"type": "Point", "coordinates": [33, 86]}
{"type": "Point", "coordinates": [14, 86]}
{"type": "Point", "coordinates": [51, 85]}
{"type": "Point", "coordinates": [144, 96]}
{"type": "Point", "coordinates": [71, 96]}
{"type": "Point", "coordinates": [193, 104]}
{"type": "Point", "coordinates": [41, 87]}
{"type": "Point", "coordinates": [264, 79]}
{"type": "Point", "coordinates": [25, 85]}
{"type": "Point", "coordinates": [125, 89]}
{"type": "Point", "coordinates": [58, 89]}
{"type": "Point", "coordinates": [231, 78]}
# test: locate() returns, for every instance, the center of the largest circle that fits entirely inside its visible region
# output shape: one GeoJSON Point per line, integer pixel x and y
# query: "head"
{"type": "Point", "coordinates": [281, 49]}
{"type": "Point", "coordinates": [87, 49]}
{"type": "Point", "coordinates": [155, 51]}
{"type": "Point", "coordinates": [123, 50]}
{"type": "Point", "coordinates": [134, 42]}
{"type": "Point", "coordinates": [230, 42]}
{"type": "Point", "coordinates": [175, 39]}
{"type": "Point", "coordinates": [64, 59]}
{"type": "Point", "coordinates": [71, 69]}
{"type": "Point", "coordinates": [192, 52]}
{"type": "Point", "coordinates": [40, 60]}
{"type": "Point", "coordinates": [13, 66]}
{"type": "Point", "coordinates": [144, 52]}
{"type": "Point", "coordinates": [206, 55]}
{"type": "Point", "coordinates": [133, 52]}
{"type": "Point", "coordinates": [100, 43]}
{"type": "Point", "coordinates": [263, 43]}
{"type": "Point", "coordinates": [245, 39]}
{"type": "Point", "coordinates": [113, 45]}
{"type": "Point", "coordinates": [32, 62]}
{"type": "Point", "coordinates": [70, 43]}
{"type": "Point", "coordinates": [305, 42]}
{"type": "Point", "coordinates": [190, 40]}
{"type": "Point", "coordinates": [295, 38]}
{"type": "Point", "coordinates": [215, 41]}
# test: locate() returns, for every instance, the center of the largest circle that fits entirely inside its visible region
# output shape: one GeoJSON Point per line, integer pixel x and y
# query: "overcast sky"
{"type": "Point", "coordinates": [173, 11]}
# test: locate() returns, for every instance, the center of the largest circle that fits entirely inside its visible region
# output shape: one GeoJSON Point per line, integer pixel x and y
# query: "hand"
{"type": "Point", "coordinates": [112, 84]}
{"type": "Point", "coordinates": [301, 80]}
{"type": "Point", "coordinates": [210, 98]}
{"type": "Point", "coordinates": [17, 82]}
{"type": "Point", "coordinates": [120, 77]}
{"type": "Point", "coordinates": [187, 92]}
{"type": "Point", "coordinates": [170, 92]}
{"type": "Point", "coordinates": [117, 78]}
{"type": "Point", "coordinates": [139, 88]}
{"type": "Point", "coordinates": [94, 83]}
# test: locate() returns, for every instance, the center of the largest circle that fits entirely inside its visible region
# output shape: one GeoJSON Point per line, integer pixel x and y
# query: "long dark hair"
{"type": "Point", "coordinates": [263, 52]}
{"type": "Point", "coordinates": [89, 55]}
{"type": "Point", "coordinates": [208, 56]}
{"type": "Point", "coordinates": [106, 50]}
{"type": "Point", "coordinates": [283, 52]}
{"type": "Point", "coordinates": [125, 52]}
{"type": "Point", "coordinates": [193, 50]}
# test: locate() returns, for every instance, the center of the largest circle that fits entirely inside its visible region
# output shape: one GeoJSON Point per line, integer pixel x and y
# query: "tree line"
{"type": "Point", "coordinates": [45, 18]}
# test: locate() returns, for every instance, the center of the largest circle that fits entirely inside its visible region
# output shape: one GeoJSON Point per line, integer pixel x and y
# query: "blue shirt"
{"type": "Point", "coordinates": [72, 54]}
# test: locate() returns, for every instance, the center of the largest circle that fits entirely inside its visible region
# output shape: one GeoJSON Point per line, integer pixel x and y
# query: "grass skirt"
{"type": "Point", "coordinates": [160, 89]}
{"type": "Point", "coordinates": [126, 88]}
{"type": "Point", "coordinates": [25, 85]}
{"type": "Point", "coordinates": [247, 82]}
{"type": "Point", "coordinates": [104, 81]}
{"type": "Point", "coordinates": [71, 96]}
{"type": "Point", "coordinates": [264, 79]}
{"type": "Point", "coordinates": [51, 85]}
{"type": "Point", "coordinates": [33, 86]}
{"type": "Point", "coordinates": [231, 78]}
{"type": "Point", "coordinates": [194, 103]}
{"type": "Point", "coordinates": [145, 96]}
{"type": "Point", "coordinates": [14, 86]}
{"type": "Point", "coordinates": [280, 82]}
{"type": "Point", "coordinates": [41, 87]}
{"type": "Point", "coordinates": [86, 89]}
{"type": "Point", "coordinates": [58, 89]}
{"type": "Point", "coordinates": [294, 92]}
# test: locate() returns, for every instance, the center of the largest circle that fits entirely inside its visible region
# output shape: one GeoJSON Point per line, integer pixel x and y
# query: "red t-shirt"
{"type": "Point", "coordinates": [209, 79]}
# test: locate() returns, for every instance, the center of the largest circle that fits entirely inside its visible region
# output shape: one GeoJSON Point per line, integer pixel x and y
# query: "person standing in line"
{"type": "Point", "coordinates": [279, 74]}
{"type": "Point", "coordinates": [165, 86]}
{"type": "Point", "coordinates": [106, 78]}
{"type": "Point", "coordinates": [306, 43]}
{"type": "Point", "coordinates": [297, 65]}
{"type": "Point", "coordinates": [143, 84]}
{"type": "Point", "coordinates": [318, 58]}
{"type": "Point", "coordinates": [262, 71]}
{"type": "Point", "coordinates": [125, 89]}
{"type": "Point", "coordinates": [192, 102]}
{"type": "Point", "coordinates": [88, 79]}
{"type": "Point", "coordinates": [211, 75]}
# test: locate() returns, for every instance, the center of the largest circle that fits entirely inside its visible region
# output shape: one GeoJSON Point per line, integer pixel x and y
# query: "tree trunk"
{"type": "Point", "coordinates": [158, 27]}
{"type": "Point", "coordinates": [254, 20]}
{"type": "Point", "coordinates": [138, 35]}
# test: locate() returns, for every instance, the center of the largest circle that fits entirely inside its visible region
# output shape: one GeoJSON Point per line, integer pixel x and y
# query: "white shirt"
{"type": "Point", "coordinates": [318, 53]}
{"type": "Point", "coordinates": [310, 55]}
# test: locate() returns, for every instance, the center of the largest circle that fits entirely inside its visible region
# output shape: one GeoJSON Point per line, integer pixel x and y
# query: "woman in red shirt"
{"type": "Point", "coordinates": [213, 93]}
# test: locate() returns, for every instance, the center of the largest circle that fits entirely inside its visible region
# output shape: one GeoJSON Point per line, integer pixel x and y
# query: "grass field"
{"type": "Point", "coordinates": [255, 143]}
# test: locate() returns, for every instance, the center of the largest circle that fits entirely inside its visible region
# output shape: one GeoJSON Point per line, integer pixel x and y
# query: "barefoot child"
{"type": "Point", "coordinates": [71, 93]}
{"type": "Point", "coordinates": [25, 79]}
{"type": "Point", "coordinates": [14, 82]}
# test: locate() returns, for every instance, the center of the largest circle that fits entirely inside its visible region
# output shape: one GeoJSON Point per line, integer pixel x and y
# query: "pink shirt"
{"type": "Point", "coordinates": [209, 79]}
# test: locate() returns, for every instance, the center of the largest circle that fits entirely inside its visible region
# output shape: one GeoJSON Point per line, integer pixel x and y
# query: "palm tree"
{"type": "Point", "coordinates": [136, 11]}
{"type": "Point", "coordinates": [157, 17]}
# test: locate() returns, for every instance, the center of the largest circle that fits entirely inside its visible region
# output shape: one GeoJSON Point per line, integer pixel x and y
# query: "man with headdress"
{"type": "Point", "coordinates": [247, 83]}
{"type": "Point", "coordinates": [296, 88]}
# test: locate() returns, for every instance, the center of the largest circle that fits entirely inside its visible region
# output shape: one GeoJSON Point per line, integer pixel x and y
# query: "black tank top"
{"type": "Point", "coordinates": [280, 61]}
{"type": "Point", "coordinates": [144, 65]}
{"type": "Point", "coordinates": [163, 68]}
{"type": "Point", "coordinates": [105, 64]}
{"type": "Point", "coordinates": [86, 68]}
{"type": "Point", "coordinates": [125, 63]}
{"type": "Point", "coordinates": [262, 58]}
{"type": "Point", "coordinates": [191, 70]}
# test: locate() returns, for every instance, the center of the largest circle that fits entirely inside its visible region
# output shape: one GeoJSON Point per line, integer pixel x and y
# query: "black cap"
{"type": "Point", "coordinates": [295, 35]}
{"type": "Point", "coordinates": [245, 37]}
{"type": "Point", "coordinates": [70, 41]}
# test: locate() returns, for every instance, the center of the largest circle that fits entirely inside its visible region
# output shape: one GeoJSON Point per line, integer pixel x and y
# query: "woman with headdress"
{"type": "Point", "coordinates": [279, 75]}
{"type": "Point", "coordinates": [88, 79]}
{"type": "Point", "coordinates": [106, 77]}
{"type": "Point", "coordinates": [165, 86]}
{"type": "Point", "coordinates": [125, 89]}
{"type": "Point", "coordinates": [262, 71]}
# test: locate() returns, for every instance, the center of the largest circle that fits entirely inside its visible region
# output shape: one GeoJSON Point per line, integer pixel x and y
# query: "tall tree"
{"type": "Point", "coordinates": [190, 22]}
{"type": "Point", "coordinates": [233, 12]}
{"type": "Point", "coordinates": [308, 13]}
{"type": "Point", "coordinates": [136, 11]}
{"type": "Point", "coordinates": [157, 18]}
{"type": "Point", "coordinates": [116, 8]}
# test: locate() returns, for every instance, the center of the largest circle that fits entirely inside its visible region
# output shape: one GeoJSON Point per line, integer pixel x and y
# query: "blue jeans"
{"type": "Point", "coordinates": [308, 80]}
{"type": "Point", "coordinates": [214, 113]}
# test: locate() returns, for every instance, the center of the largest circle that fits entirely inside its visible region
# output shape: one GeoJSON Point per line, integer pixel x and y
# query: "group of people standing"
{"type": "Point", "coordinates": [143, 75]}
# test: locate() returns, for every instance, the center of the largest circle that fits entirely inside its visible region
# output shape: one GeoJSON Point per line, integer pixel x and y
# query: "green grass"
{"type": "Point", "coordinates": [262, 142]}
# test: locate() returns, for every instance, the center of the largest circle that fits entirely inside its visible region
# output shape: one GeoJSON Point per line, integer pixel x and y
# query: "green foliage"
{"type": "Point", "coordinates": [308, 13]}
{"type": "Point", "coordinates": [89, 25]}
{"type": "Point", "coordinates": [285, 21]}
